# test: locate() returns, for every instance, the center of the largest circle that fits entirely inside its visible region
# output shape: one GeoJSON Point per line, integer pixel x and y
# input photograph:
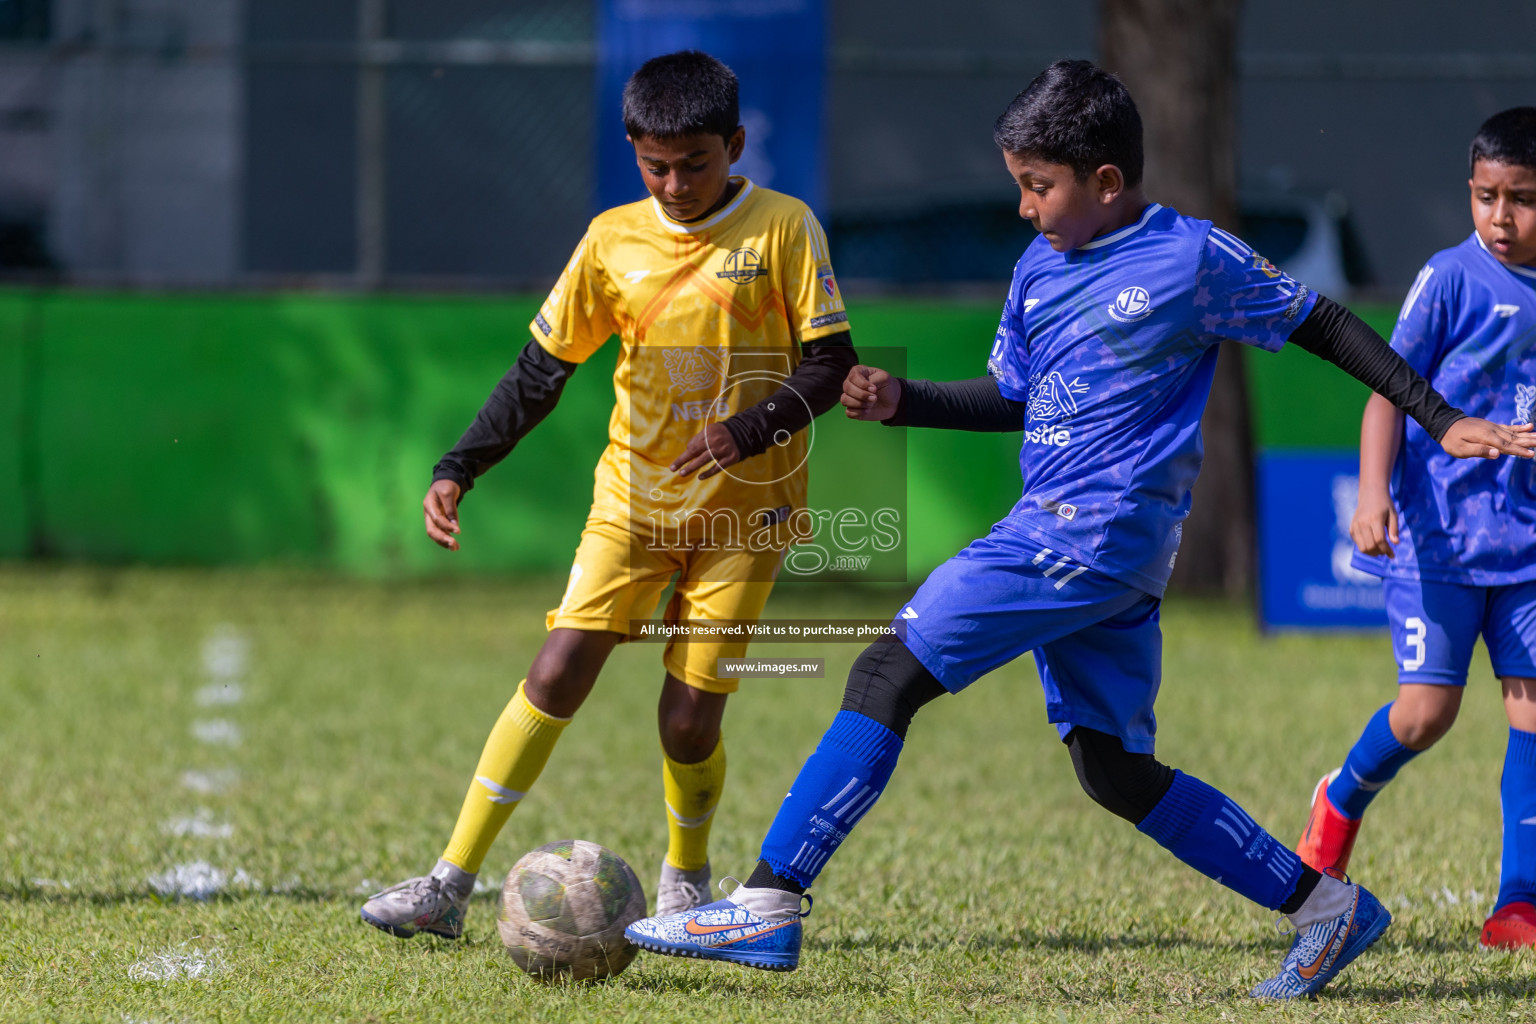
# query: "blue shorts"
{"type": "Point", "coordinates": [1436, 625]}
{"type": "Point", "coordinates": [1096, 640]}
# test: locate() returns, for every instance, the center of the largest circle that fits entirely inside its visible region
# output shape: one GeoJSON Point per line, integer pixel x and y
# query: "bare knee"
{"type": "Point", "coordinates": [688, 720]}
{"type": "Point", "coordinates": [1423, 713]}
{"type": "Point", "coordinates": [566, 667]}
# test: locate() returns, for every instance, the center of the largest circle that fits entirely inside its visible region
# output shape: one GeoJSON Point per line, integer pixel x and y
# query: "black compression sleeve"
{"type": "Point", "coordinates": [520, 400]}
{"type": "Point", "coordinates": [1333, 333]}
{"type": "Point", "coordinates": [812, 389]}
{"type": "Point", "coordinates": [974, 404]}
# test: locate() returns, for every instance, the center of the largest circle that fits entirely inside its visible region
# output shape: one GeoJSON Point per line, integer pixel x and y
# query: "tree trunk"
{"type": "Point", "coordinates": [1178, 58]}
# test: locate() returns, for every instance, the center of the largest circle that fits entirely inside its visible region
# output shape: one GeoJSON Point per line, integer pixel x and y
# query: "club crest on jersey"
{"type": "Point", "coordinates": [1264, 267]}
{"type": "Point", "coordinates": [827, 282]}
{"type": "Point", "coordinates": [1131, 305]}
{"type": "Point", "coordinates": [743, 266]}
{"type": "Point", "coordinates": [1525, 398]}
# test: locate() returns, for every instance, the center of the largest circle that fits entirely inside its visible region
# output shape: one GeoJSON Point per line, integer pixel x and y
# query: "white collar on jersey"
{"type": "Point", "coordinates": [1124, 232]}
{"type": "Point", "coordinates": [715, 218]}
{"type": "Point", "coordinates": [1522, 271]}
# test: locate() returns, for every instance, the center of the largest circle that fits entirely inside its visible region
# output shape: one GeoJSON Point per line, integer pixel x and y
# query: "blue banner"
{"type": "Point", "coordinates": [1305, 503]}
{"type": "Point", "coordinates": [777, 49]}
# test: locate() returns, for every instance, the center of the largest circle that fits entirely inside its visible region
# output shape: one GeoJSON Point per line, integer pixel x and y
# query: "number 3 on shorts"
{"type": "Point", "coordinates": [1415, 639]}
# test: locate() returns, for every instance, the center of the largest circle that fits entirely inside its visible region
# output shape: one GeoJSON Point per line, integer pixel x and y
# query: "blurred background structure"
{"type": "Point", "coordinates": [267, 255]}
{"type": "Point", "coordinates": [229, 143]}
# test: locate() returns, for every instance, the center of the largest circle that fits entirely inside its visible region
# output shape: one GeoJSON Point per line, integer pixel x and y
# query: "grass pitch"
{"type": "Point", "coordinates": [283, 744]}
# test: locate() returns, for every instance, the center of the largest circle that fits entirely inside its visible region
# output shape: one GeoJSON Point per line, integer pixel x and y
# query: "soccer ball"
{"type": "Point", "coordinates": [564, 909]}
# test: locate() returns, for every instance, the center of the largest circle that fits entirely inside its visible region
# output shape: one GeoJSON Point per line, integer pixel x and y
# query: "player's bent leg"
{"type": "Point", "coordinates": [1335, 921]}
{"type": "Point", "coordinates": [1126, 784]}
{"type": "Point", "coordinates": [1395, 735]}
{"type": "Point", "coordinates": [513, 757]}
{"type": "Point", "coordinates": [693, 777]}
{"type": "Point", "coordinates": [760, 924]}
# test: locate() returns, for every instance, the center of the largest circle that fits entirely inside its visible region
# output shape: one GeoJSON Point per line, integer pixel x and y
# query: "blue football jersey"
{"type": "Point", "coordinates": [1469, 325]}
{"type": "Point", "coordinates": [1112, 347]}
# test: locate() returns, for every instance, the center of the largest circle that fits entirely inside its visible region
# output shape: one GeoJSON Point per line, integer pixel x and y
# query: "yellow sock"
{"type": "Point", "coordinates": [514, 755]}
{"type": "Point", "coordinates": [692, 791]}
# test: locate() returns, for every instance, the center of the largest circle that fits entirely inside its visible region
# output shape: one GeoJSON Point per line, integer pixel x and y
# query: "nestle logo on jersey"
{"type": "Point", "coordinates": [700, 409]}
{"type": "Point", "coordinates": [1058, 435]}
{"type": "Point", "coordinates": [1052, 400]}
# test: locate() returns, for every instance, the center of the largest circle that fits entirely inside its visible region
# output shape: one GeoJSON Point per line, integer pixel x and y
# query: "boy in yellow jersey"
{"type": "Point", "coordinates": [734, 337]}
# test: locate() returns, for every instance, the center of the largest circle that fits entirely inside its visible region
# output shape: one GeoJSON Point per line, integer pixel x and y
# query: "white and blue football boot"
{"type": "Point", "coordinates": [753, 927]}
{"type": "Point", "coordinates": [1323, 949]}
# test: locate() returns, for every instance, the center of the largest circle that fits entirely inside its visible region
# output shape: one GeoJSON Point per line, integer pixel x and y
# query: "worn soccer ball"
{"type": "Point", "coordinates": [564, 909]}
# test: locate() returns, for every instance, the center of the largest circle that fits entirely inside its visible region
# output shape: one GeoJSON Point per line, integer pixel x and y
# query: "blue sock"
{"type": "Point", "coordinates": [837, 787]}
{"type": "Point", "coordinates": [1372, 763]}
{"type": "Point", "coordinates": [1208, 831]}
{"type": "Point", "coordinates": [1517, 794]}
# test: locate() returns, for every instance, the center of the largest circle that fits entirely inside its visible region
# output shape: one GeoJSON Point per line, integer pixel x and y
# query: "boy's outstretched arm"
{"type": "Point", "coordinates": [870, 393]}
{"type": "Point", "coordinates": [520, 400]}
{"type": "Point", "coordinates": [806, 393]}
{"type": "Point", "coordinates": [1334, 333]}
{"type": "Point", "coordinates": [1374, 526]}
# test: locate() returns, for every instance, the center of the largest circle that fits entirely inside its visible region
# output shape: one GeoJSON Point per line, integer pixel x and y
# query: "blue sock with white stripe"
{"type": "Point", "coordinates": [1372, 763]}
{"type": "Point", "coordinates": [1208, 831]}
{"type": "Point", "coordinates": [1517, 794]}
{"type": "Point", "coordinates": [838, 785]}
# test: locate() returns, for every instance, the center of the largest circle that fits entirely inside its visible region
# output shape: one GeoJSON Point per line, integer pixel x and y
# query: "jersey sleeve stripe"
{"type": "Point", "coordinates": [1243, 249]}
{"type": "Point", "coordinates": [1413, 293]}
{"type": "Point", "coordinates": [813, 234]}
{"type": "Point", "coordinates": [1224, 247]}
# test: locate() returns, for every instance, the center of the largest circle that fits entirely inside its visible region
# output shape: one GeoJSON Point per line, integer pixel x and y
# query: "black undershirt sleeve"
{"type": "Point", "coordinates": [974, 404]}
{"type": "Point", "coordinates": [812, 389]}
{"type": "Point", "coordinates": [1333, 333]}
{"type": "Point", "coordinates": [520, 400]}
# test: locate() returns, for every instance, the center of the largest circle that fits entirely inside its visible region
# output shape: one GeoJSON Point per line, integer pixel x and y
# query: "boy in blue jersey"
{"type": "Point", "coordinates": [1455, 542]}
{"type": "Point", "coordinates": [1104, 358]}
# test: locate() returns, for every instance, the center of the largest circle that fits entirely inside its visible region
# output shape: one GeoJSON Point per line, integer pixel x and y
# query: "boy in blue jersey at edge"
{"type": "Point", "coordinates": [1104, 358]}
{"type": "Point", "coordinates": [1455, 542]}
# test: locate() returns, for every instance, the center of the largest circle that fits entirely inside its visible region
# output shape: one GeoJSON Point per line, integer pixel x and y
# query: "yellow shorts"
{"type": "Point", "coordinates": [617, 580]}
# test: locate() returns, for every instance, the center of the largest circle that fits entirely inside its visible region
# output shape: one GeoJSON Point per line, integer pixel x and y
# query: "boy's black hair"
{"type": "Point", "coordinates": [1077, 114]}
{"type": "Point", "coordinates": [683, 93]}
{"type": "Point", "coordinates": [1508, 137]}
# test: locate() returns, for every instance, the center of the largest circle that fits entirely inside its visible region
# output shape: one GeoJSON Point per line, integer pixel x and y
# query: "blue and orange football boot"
{"type": "Point", "coordinates": [1329, 837]}
{"type": "Point", "coordinates": [725, 930]}
{"type": "Point", "coordinates": [1512, 926]}
{"type": "Point", "coordinates": [1324, 949]}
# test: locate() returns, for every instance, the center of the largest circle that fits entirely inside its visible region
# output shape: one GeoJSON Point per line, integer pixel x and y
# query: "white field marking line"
{"type": "Point", "coordinates": [52, 883]}
{"type": "Point", "coordinates": [220, 695]}
{"type": "Point", "coordinates": [220, 732]}
{"type": "Point", "coordinates": [199, 880]}
{"type": "Point", "coordinates": [226, 653]}
{"type": "Point", "coordinates": [200, 825]}
{"type": "Point", "coordinates": [180, 964]}
{"type": "Point", "coordinates": [214, 782]}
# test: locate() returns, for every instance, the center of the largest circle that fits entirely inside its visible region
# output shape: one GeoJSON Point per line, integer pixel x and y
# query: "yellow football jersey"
{"type": "Point", "coordinates": [709, 315]}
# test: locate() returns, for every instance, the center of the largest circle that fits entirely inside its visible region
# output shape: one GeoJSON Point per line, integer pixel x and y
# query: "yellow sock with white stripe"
{"type": "Point", "coordinates": [692, 792]}
{"type": "Point", "coordinates": [515, 753]}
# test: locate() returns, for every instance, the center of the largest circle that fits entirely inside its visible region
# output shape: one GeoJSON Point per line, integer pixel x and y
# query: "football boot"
{"type": "Point", "coordinates": [729, 930]}
{"type": "Point", "coordinates": [1511, 927]}
{"type": "Point", "coordinates": [1323, 949]}
{"type": "Point", "coordinates": [681, 890]}
{"type": "Point", "coordinates": [431, 903]}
